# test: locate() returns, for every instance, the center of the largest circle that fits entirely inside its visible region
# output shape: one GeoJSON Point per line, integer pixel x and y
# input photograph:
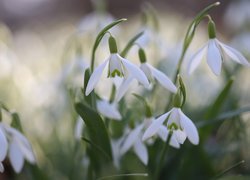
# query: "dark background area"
{"type": "Point", "coordinates": [17, 13]}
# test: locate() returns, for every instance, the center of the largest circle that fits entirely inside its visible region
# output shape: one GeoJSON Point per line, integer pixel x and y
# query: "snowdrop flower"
{"type": "Point", "coordinates": [117, 66]}
{"type": "Point", "coordinates": [153, 73]}
{"type": "Point", "coordinates": [134, 141]}
{"type": "Point", "coordinates": [19, 148]}
{"type": "Point", "coordinates": [108, 109]}
{"type": "Point", "coordinates": [178, 124]}
{"type": "Point", "coordinates": [215, 52]}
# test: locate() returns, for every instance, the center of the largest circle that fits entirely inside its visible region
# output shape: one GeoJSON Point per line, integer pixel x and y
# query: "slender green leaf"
{"type": "Point", "coordinates": [95, 126]}
{"type": "Point", "coordinates": [224, 116]}
{"type": "Point", "coordinates": [230, 168]}
{"type": "Point", "coordinates": [96, 146]}
{"type": "Point", "coordinates": [219, 101]}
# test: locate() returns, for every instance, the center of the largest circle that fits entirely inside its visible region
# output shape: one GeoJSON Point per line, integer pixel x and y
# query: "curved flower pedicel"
{"type": "Point", "coordinates": [19, 148]}
{"type": "Point", "coordinates": [178, 124]}
{"type": "Point", "coordinates": [215, 52]}
{"type": "Point", "coordinates": [117, 66]}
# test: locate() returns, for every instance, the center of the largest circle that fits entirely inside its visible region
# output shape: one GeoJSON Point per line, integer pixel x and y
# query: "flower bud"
{"type": "Point", "coordinates": [112, 45]}
{"type": "Point", "coordinates": [142, 55]}
{"type": "Point", "coordinates": [178, 100]}
{"type": "Point", "coordinates": [211, 29]}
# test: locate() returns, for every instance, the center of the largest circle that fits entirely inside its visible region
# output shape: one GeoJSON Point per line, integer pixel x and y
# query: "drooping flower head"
{"type": "Point", "coordinates": [18, 146]}
{"type": "Point", "coordinates": [151, 73]}
{"type": "Point", "coordinates": [178, 126]}
{"type": "Point", "coordinates": [154, 74]}
{"type": "Point", "coordinates": [117, 66]}
{"type": "Point", "coordinates": [215, 53]}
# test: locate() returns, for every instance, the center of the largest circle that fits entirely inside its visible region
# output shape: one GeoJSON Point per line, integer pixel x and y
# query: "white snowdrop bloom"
{"type": "Point", "coordinates": [153, 73]}
{"type": "Point", "coordinates": [108, 109]}
{"type": "Point", "coordinates": [178, 124]}
{"type": "Point", "coordinates": [133, 140]}
{"type": "Point", "coordinates": [19, 148]}
{"type": "Point", "coordinates": [117, 66]}
{"type": "Point", "coordinates": [215, 52]}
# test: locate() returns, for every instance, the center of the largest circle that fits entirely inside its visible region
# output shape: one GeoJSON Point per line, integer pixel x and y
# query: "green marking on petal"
{"type": "Point", "coordinates": [173, 126]}
{"type": "Point", "coordinates": [116, 72]}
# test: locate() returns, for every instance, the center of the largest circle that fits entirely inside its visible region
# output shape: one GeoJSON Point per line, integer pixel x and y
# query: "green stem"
{"type": "Point", "coordinates": [187, 41]}
{"type": "Point", "coordinates": [162, 157]}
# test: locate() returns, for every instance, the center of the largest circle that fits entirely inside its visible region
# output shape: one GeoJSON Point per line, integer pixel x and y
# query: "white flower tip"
{"type": "Point", "coordinates": [194, 138]}
{"type": "Point", "coordinates": [88, 91]}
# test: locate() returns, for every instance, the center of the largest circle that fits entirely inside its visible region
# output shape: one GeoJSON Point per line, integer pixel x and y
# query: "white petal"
{"type": "Point", "coordinates": [1, 168]}
{"type": "Point", "coordinates": [173, 142]}
{"type": "Point", "coordinates": [190, 129]}
{"type": "Point", "coordinates": [130, 140]}
{"type": "Point", "coordinates": [141, 151]}
{"type": "Point", "coordinates": [180, 136]}
{"type": "Point", "coordinates": [123, 88]}
{"type": "Point", "coordinates": [3, 145]}
{"type": "Point", "coordinates": [95, 77]}
{"type": "Point", "coordinates": [154, 127]}
{"type": "Point", "coordinates": [16, 157]}
{"type": "Point", "coordinates": [174, 117]}
{"type": "Point", "coordinates": [214, 58]}
{"type": "Point", "coordinates": [234, 54]}
{"type": "Point", "coordinates": [136, 72]}
{"type": "Point", "coordinates": [196, 59]}
{"type": "Point", "coordinates": [163, 79]}
{"type": "Point", "coordinates": [163, 133]}
{"type": "Point", "coordinates": [115, 144]}
{"type": "Point", "coordinates": [23, 144]}
{"type": "Point", "coordinates": [108, 110]}
{"type": "Point", "coordinates": [147, 71]}
{"type": "Point", "coordinates": [79, 128]}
